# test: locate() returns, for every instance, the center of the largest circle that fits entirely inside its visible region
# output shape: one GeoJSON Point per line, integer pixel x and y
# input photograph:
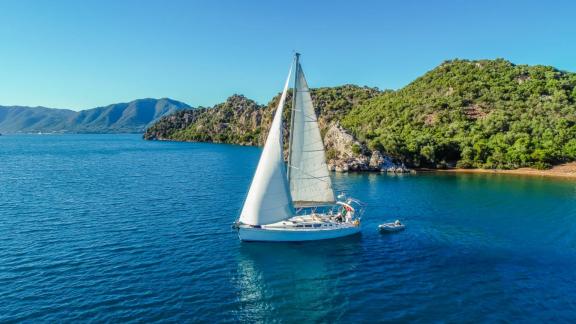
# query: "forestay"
{"type": "Point", "coordinates": [308, 174]}
{"type": "Point", "coordinates": [269, 200]}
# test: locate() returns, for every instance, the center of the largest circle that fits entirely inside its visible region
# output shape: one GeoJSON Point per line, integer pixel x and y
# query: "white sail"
{"type": "Point", "coordinates": [308, 174]}
{"type": "Point", "coordinates": [268, 199]}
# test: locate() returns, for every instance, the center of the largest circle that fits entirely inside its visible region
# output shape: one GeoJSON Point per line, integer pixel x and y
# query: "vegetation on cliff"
{"type": "Point", "coordinates": [235, 121]}
{"type": "Point", "coordinates": [483, 114]}
{"type": "Point", "coordinates": [240, 120]}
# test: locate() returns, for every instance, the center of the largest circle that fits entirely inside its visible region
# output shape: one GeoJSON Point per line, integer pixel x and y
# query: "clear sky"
{"type": "Point", "coordinates": [83, 54]}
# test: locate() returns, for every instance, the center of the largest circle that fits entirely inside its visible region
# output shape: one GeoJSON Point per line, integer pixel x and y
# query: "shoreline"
{"type": "Point", "coordinates": [566, 171]}
{"type": "Point", "coordinates": [562, 171]}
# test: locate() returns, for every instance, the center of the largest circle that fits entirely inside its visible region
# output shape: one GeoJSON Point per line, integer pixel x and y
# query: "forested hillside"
{"type": "Point", "coordinates": [485, 114]}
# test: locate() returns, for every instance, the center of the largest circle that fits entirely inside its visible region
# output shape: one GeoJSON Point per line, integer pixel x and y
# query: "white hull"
{"type": "Point", "coordinates": [294, 235]}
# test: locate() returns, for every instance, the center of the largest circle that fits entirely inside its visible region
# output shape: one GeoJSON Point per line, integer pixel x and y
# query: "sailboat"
{"type": "Point", "coordinates": [296, 201]}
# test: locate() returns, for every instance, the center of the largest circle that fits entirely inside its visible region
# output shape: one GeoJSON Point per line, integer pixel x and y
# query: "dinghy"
{"type": "Point", "coordinates": [391, 227]}
{"type": "Point", "coordinates": [296, 202]}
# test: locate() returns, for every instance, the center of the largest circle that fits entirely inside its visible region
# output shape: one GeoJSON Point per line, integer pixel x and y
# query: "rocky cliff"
{"type": "Point", "coordinates": [345, 153]}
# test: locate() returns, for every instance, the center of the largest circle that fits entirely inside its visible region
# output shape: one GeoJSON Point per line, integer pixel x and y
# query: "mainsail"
{"type": "Point", "coordinates": [269, 200]}
{"type": "Point", "coordinates": [308, 173]}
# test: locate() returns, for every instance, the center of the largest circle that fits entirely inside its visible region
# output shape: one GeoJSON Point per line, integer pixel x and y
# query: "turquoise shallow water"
{"type": "Point", "coordinates": [113, 228]}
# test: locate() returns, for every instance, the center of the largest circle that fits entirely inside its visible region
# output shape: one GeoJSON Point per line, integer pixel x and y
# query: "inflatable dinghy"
{"type": "Point", "coordinates": [391, 227]}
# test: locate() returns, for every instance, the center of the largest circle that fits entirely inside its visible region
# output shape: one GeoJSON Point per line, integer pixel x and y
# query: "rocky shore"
{"type": "Point", "coordinates": [345, 153]}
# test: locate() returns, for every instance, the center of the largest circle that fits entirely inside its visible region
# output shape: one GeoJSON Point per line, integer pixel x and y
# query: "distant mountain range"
{"type": "Point", "coordinates": [131, 117]}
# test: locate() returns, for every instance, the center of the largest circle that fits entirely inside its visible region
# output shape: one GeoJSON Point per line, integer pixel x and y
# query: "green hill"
{"type": "Point", "coordinates": [484, 114]}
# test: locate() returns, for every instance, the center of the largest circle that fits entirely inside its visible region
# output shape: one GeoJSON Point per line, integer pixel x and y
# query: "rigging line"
{"type": "Point", "coordinates": [318, 166]}
{"type": "Point", "coordinates": [310, 173]}
{"type": "Point", "coordinates": [305, 176]}
{"type": "Point", "coordinates": [310, 117]}
{"type": "Point", "coordinates": [310, 155]}
{"type": "Point", "coordinates": [312, 142]}
{"type": "Point", "coordinates": [315, 178]}
{"type": "Point", "coordinates": [306, 173]}
{"type": "Point", "coordinates": [305, 115]}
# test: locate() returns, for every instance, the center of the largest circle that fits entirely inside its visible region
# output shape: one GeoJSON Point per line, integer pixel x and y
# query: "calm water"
{"type": "Point", "coordinates": [113, 228]}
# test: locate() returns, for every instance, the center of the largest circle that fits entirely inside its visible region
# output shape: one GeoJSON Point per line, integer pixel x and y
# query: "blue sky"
{"type": "Point", "coordinates": [83, 54]}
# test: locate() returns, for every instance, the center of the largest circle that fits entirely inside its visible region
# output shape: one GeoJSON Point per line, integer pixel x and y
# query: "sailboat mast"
{"type": "Point", "coordinates": [296, 76]}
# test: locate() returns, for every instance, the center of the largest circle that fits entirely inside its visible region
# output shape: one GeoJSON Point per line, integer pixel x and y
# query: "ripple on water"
{"type": "Point", "coordinates": [115, 229]}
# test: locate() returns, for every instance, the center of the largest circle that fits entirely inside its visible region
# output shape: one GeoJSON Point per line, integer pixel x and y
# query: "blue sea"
{"type": "Point", "coordinates": [111, 228]}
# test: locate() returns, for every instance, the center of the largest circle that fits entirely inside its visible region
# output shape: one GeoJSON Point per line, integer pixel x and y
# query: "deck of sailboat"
{"type": "Point", "coordinates": [310, 222]}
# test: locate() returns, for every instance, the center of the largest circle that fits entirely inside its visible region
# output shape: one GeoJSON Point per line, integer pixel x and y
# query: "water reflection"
{"type": "Point", "coordinates": [294, 281]}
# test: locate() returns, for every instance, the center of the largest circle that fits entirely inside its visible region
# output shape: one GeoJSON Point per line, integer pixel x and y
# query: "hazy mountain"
{"type": "Point", "coordinates": [33, 119]}
{"type": "Point", "coordinates": [131, 117]}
